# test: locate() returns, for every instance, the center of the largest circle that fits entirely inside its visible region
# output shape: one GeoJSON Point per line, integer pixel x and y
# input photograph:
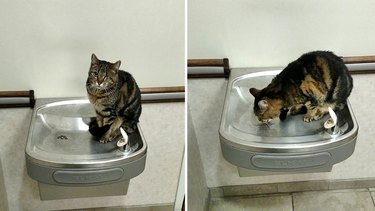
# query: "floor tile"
{"type": "Point", "coordinates": [351, 184]}
{"type": "Point", "coordinates": [151, 208]}
{"type": "Point", "coordinates": [241, 190]}
{"type": "Point", "coordinates": [302, 186]}
{"type": "Point", "coordinates": [340, 200]}
{"type": "Point", "coordinates": [279, 203]}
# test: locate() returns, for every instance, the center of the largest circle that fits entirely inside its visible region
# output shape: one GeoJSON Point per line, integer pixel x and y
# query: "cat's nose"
{"type": "Point", "coordinates": [264, 120]}
{"type": "Point", "coordinates": [99, 83]}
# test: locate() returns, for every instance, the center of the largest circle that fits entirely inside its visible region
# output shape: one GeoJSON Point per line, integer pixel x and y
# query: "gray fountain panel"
{"type": "Point", "coordinates": [279, 145]}
{"type": "Point", "coordinates": [61, 151]}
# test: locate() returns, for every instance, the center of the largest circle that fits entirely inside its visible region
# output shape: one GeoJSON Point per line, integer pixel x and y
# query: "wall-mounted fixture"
{"type": "Point", "coordinates": [289, 146]}
{"type": "Point", "coordinates": [68, 162]}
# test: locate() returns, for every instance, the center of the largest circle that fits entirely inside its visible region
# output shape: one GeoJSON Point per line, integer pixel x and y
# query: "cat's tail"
{"type": "Point", "coordinates": [130, 126]}
{"type": "Point", "coordinates": [97, 131]}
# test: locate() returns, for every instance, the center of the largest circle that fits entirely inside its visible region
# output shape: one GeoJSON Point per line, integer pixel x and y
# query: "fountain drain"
{"type": "Point", "coordinates": [62, 137]}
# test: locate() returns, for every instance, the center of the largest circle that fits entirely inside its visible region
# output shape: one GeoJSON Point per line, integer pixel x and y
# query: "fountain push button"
{"type": "Point", "coordinates": [88, 177]}
{"type": "Point", "coordinates": [290, 161]}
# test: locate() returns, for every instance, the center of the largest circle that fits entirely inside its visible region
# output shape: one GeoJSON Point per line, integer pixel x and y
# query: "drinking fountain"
{"type": "Point", "coordinates": [281, 147]}
{"type": "Point", "coordinates": [68, 162]}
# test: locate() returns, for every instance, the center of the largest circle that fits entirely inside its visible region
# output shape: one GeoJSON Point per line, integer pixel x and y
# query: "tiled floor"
{"type": "Point", "coordinates": [337, 200]}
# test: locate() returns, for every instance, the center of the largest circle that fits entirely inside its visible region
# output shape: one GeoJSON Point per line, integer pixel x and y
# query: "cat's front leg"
{"type": "Point", "coordinates": [298, 109]}
{"type": "Point", "coordinates": [100, 120]}
{"type": "Point", "coordinates": [283, 114]}
{"type": "Point", "coordinates": [113, 131]}
{"type": "Point", "coordinates": [311, 110]}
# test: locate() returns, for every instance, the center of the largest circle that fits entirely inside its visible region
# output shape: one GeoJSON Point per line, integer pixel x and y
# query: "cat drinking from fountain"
{"type": "Point", "coordinates": [312, 83]}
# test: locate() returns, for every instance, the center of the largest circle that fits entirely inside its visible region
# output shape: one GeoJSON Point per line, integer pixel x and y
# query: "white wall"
{"type": "Point", "coordinates": [46, 45]}
{"type": "Point", "coordinates": [255, 33]}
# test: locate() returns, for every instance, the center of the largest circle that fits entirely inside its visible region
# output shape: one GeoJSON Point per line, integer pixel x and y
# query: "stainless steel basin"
{"type": "Point", "coordinates": [60, 150]}
{"type": "Point", "coordinates": [245, 141]}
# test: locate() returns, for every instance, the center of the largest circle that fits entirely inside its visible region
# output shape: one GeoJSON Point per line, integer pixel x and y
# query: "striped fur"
{"type": "Point", "coordinates": [116, 98]}
{"type": "Point", "coordinates": [314, 82]}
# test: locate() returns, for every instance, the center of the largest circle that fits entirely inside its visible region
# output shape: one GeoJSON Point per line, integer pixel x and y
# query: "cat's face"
{"type": "Point", "coordinates": [102, 75]}
{"type": "Point", "coordinates": [265, 107]}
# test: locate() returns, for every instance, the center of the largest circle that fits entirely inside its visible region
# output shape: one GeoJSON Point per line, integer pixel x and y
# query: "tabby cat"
{"type": "Point", "coordinates": [116, 98]}
{"type": "Point", "coordinates": [312, 83]}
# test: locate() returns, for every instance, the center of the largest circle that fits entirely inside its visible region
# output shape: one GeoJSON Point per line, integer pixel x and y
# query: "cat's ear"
{"type": "Point", "coordinates": [116, 65]}
{"type": "Point", "coordinates": [94, 59]}
{"type": "Point", "coordinates": [255, 92]}
{"type": "Point", "coordinates": [263, 105]}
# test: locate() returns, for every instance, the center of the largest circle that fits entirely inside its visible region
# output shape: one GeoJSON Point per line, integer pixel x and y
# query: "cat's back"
{"type": "Point", "coordinates": [326, 67]}
{"type": "Point", "coordinates": [317, 64]}
{"type": "Point", "coordinates": [322, 71]}
{"type": "Point", "coordinates": [128, 85]}
{"type": "Point", "coordinates": [125, 76]}
{"type": "Point", "coordinates": [321, 62]}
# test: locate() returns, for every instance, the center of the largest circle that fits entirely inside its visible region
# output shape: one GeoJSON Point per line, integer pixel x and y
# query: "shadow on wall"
{"type": "Point", "coordinates": [197, 188]}
{"type": "Point", "coordinates": [3, 193]}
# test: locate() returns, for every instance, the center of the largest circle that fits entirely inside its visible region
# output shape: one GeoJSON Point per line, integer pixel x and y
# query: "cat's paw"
{"type": "Point", "coordinates": [109, 136]}
{"type": "Point", "coordinates": [308, 118]}
{"type": "Point", "coordinates": [104, 140]}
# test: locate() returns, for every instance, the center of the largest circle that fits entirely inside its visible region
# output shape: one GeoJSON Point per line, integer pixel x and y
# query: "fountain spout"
{"type": "Point", "coordinates": [331, 123]}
